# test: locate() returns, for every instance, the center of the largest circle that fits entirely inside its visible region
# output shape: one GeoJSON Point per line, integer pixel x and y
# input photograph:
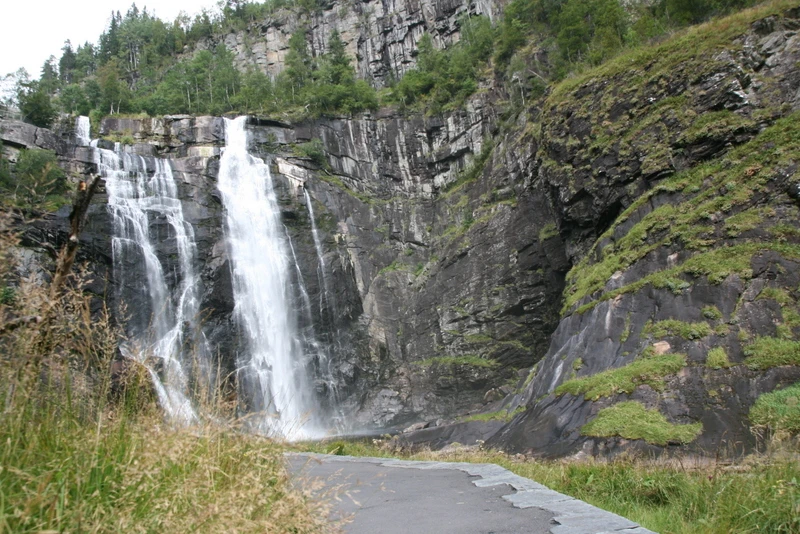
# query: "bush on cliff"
{"type": "Point", "coordinates": [35, 181]}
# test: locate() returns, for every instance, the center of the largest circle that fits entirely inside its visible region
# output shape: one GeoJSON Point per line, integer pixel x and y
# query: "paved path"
{"type": "Point", "coordinates": [383, 496]}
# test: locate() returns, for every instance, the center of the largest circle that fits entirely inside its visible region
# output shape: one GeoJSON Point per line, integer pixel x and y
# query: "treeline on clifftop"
{"type": "Point", "coordinates": [142, 64]}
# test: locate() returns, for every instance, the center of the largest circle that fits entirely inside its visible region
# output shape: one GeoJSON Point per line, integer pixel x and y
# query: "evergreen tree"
{"type": "Point", "coordinates": [298, 65]}
{"type": "Point", "coordinates": [109, 40]}
{"type": "Point", "coordinates": [73, 100]}
{"type": "Point", "coordinates": [85, 61]}
{"type": "Point", "coordinates": [36, 105]}
{"type": "Point", "coordinates": [48, 81]}
{"type": "Point", "coordinates": [67, 63]}
{"type": "Point", "coordinates": [114, 93]}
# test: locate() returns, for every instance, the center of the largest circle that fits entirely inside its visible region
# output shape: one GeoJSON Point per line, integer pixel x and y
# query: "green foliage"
{"type": "Point", "coordinates": [7, 295]}
{"type": "Point", "coordinates": [712, 313]}
{"type": "Point", "coordinates": [473, 171]}
{"type": "Point", "coordinates": [313, 150]}
{"type": "Point", "coordinates": [468, 360]}
{"type": "Point", "coordinates": [768, 352]}
{"type": "Point", "coordinates": [140, 65]}
{"type": "Point", "coordinates": [36, 105]}
{"type": "Point", "coordinates": [717, 358]}
{"type": "Point", "coordinates": [35, 181]}
{"type": "Point", "coordinates": [73, 101]}
{"type": "Point", "coordinates": [392, 267]}
{"type": "Point", "coordinates": [443, 79]}
{"type": "Point", "coordinates": [673, 327]}
{"type": "Point", "coordinates": [631, 420]}
{"type": "Point", "coordinates": [323, 86]}
{"type": "Point", "coordinates": [548, 231]}
{"type": "Point", "coordinates": [779, 295]}
{"type": "Point", "coordinates": [778, 410]}
{"type": "Point", "coordinates": [648, 370]}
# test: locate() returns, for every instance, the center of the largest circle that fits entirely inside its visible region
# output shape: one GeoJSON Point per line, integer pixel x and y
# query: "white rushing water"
{"type": "Point", "coordinates": [83, 134]}
{"type": "Point", "coordinates": [140, 201]}
{"type": "Point", "coordinates": [273, 366]}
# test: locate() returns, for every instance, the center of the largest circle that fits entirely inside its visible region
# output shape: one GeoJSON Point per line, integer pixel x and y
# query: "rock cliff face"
{"type": "Point", "coordinates": [381, 35]}
{"type": "Point", "coordinates": [639, 221]}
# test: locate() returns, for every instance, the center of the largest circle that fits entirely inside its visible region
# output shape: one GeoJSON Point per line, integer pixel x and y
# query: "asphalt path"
{"type": "Point", "coordinates": [382, 496]}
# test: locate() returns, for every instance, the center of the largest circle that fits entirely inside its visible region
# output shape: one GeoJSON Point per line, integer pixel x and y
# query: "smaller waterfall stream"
{"type": "Point", "coordinates": [147, 215]}
{"type": "Point", "coordinates": [83, 128]}
{"type": "Point", "coordinates": [325, 295]}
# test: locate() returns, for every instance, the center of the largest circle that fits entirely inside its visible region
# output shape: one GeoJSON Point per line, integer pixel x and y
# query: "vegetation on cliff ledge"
{"type": "Point", "coordinates": [686, 221]}
{"type": "Point", "coordinates": [649, 370]}
{"type": "Point", "coordinates": [778, 410]}
{"type": "Point", "coordinates": [631, 420]}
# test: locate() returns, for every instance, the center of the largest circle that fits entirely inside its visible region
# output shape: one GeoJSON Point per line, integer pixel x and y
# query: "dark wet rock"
{"type": "Point", "coordinates": [468, 433]}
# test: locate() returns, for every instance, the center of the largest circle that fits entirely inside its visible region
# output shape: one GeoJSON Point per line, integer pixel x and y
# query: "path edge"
{"type": "Point", "coordinates": [573, 516]}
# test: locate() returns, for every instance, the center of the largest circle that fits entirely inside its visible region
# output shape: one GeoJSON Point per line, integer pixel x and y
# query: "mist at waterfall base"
{"type": "Point", "coordinates": [280, 364]}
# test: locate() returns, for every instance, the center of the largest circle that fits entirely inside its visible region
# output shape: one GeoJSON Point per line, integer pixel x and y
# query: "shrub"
{"type": "Point", "coordinates": [36, 180]}
{"type": "Point", "coordinates": [313, 150]}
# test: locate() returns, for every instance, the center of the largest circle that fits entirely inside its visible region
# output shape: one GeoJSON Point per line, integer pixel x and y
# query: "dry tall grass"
{"type": "Point", "coordinates": [72, 460]}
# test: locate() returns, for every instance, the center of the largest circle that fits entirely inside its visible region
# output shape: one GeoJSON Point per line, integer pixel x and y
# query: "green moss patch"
{"type": "Point", "coordinates": [631, 420]}
{"type": "Point", "coordinates": [779, 410]}
{"type": "Point", "coordinates": [548, 231]}
{"type": "Point", "coordinates": [715, 124]}
{"type": "Point", "coordinates": [768, 352]}
{"type": "Point", "coordinates": [779, 295]}
{"type": "Point", "coordinates": [650, 370]}
{"type": "Point", "coordinates": [673, 327]}
{"type": "Point", "coordinates": [717, 358]}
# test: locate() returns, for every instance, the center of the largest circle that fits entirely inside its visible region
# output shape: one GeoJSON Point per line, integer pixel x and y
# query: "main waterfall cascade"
{"type": "Point", "coordinates": [142, 196]}
{"type": "Point", "coordinates": [284, 373]}
{"type": "Point", "coordinates": [278, 358]}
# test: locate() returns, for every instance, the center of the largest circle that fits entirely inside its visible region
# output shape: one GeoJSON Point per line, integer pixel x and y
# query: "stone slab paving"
{"type": "Point", "coordinates": [386, 496]}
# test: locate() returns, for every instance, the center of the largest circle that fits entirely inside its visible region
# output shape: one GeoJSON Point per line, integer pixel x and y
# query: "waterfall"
{"type": "Point", "coordinates": [147, 216]}
{"type": "Point", "coordinates": [83, 134]}
{"type": "Point", "coordinates": [325, 294]}
{"type": "Point", "coordinates": [272, 367]}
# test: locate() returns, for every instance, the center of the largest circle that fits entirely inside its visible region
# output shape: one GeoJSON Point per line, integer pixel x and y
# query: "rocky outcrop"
{"type": "Point", "coordinates": [381, 35]}
{"type": "Point", "coordinates": [664, 265]}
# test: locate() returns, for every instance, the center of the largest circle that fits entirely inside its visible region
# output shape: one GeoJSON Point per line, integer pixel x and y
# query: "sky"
{"type": "Point", "coordinates": [33, 30]}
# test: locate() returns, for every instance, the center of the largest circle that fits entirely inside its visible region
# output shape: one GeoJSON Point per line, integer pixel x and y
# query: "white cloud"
{"type": "Point", "coordinates": [33, 30]}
